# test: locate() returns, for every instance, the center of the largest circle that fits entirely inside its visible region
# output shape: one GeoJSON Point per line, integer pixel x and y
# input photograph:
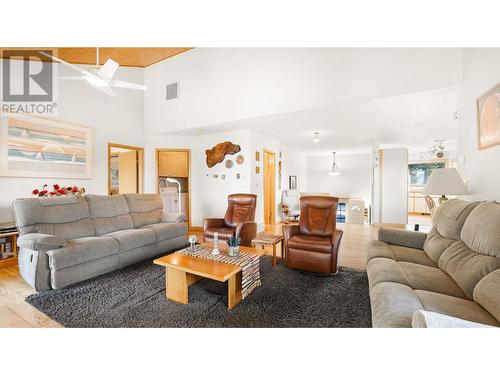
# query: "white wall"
{"type": "Point", "coordinates": [209, 195]}
{"type": "Point", "coordinates": [481, 71]}
{"type": "Point", "coordinates": [117, 120]}
{"type": "Point", "coordinates": [394, 186]}
{"type": "Point", "coordinates": [353, 182]}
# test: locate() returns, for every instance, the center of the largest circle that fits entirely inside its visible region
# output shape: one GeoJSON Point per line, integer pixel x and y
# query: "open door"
{"type": "Point", "coordinates": [125, 169]}
{"type": "Point", "coordinates": [269, 186]}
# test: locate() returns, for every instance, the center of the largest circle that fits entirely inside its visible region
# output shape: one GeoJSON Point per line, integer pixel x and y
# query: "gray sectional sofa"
{"type": "Point", "coordinates": [67, 239]}
{"type": "Point", "coordinates": [449, 277]}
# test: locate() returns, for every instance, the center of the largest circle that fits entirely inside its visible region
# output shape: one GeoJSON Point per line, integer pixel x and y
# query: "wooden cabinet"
{"type": "Point", "coordinates": [173, 163]}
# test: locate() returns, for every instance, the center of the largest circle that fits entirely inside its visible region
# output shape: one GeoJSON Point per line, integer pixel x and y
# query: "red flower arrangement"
{"type": "Point", "coordinates": [58, 190]}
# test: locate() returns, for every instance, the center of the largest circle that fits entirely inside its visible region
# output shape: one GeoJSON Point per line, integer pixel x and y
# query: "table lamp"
{"type": "Point", "coordinates": [445, 181]}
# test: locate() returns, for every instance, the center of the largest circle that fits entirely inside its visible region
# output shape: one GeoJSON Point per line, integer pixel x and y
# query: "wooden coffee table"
{"type": "Point", "coordinates": [184, 270]}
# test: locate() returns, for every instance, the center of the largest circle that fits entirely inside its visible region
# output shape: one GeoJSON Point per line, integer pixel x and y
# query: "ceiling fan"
{"type": "Point", "coordinates": [101, 78]}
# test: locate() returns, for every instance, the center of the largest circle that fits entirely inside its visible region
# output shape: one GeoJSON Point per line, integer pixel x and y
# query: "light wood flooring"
{"type": "Point", "coordinates": [15, 312]}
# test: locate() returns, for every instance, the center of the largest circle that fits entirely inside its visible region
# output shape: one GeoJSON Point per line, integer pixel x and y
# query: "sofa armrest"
{"type": "Point", "coordinates": [336, 237]}
{"type": "Point", "coordinates": [429, 319]}
{"type": "Point", "coordinates": [400, 237]}
{"type": "Point", "coordinates": [173, 218]}
{"type": "Point", "coordinates": [210, 223]}
{"type": "Point", "coordinates": [289, 231]}
{"type": "Point", "coordinates": [40, 241]}
{"type": "Point", "coordinates": [246, 231]}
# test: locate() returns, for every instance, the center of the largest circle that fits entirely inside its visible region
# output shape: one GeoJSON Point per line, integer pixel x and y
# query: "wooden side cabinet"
{"type": "Point", "coordinates": [8, 249]}
{"type": "Point", "coordinates": [173, 163]}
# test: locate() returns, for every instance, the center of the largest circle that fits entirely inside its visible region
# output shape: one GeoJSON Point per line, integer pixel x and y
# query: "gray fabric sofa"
{"type": "Point", "coordinates": [448, 277]}
{"type": "Point", "coordinates": [67, 239]}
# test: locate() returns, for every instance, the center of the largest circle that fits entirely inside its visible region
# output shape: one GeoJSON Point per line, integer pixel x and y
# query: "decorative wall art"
{"type": "Point", "coordinates": [292, 182]}
{"type": "Point", "coordinates": [488, 119]}
{"type": "Point", "coordinates": [229, 163]}
{"type": "Point", "coordinates": [279, 174]}
{"type": "Point", "coordinates": [36, 147]}
{"type": "Point", "coordinates": [222, 176]}
{"type": "Point", "coordinates": [257, 170]}
{"type": "Point", "coordinates": [257, 156]}
{"type": "Point", "coordinates": [217, 154]}
{"type": "Point", "coordinates": [240, 159]}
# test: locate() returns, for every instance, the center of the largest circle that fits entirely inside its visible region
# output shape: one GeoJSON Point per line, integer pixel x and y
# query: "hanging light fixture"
{"type": "Point", "coordinates": [316, 137]}
{"type": "Point", "coordinates": [335, 171]}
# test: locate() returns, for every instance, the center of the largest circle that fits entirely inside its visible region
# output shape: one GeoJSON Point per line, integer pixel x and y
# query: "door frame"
{"type": "Point", "coordinates": [157, 179]}
{"type": "Point", "coordinates": [273, 193]}
{"type": "Point", "coordinates": [140, 164]}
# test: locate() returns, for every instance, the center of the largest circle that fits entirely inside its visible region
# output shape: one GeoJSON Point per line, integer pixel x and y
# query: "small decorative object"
{"type": "Point", "coordinates": [257, 156]}
{"type": "Point", "coordinates": [488, 119]}
{"type": "Point", "coordinates": [234, 246]}
{"type": "Point", "coordinates": [229, 163]}
{"type": "Point", "coordinates": [215, 175]}
{"type": "Point", "coordinates": [292, 182]}
{"type": "Point", "coordinates": [238, 176]}
{"type": "Point", "coordinates": [215, 250]}
{"type": "Point", "coordinates": [240, 159]}
{"type": "Point", "coordinates": [217, 154]}
{"type": "Point", "coordinates": [257, 170]}
{"type": "Point", "coordinates": [58, 191]}
{"type": "Point", "coordinates": [192, 240]}
{"type": "Point", "coordinates": [223, 176]}
{"type": "Point", "coordinates": [285, 210]}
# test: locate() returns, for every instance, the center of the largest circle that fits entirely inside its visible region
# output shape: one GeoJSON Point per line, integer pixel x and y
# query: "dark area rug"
{"type": "Point", "coordinates": [135, 297]}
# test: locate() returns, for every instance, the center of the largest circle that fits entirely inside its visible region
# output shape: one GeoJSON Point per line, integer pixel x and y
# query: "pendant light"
{"type": "Point", "coordinates": [335, 171]}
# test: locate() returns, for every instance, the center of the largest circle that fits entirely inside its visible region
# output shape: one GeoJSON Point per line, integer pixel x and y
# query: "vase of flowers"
{"type": "Point", "coordinates": [58, 191]}
{"type": "Point", "coordinates": [234, 246]}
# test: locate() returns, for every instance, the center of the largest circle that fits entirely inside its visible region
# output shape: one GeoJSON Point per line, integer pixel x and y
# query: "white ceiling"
{"type": "Point", "coordinates": [413, 120]}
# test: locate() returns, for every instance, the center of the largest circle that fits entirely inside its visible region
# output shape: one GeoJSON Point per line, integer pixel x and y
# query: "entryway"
{"type": "Point", "coordinates": [125, 169]}
{"type": "Point", "coordinates": [269, 186]}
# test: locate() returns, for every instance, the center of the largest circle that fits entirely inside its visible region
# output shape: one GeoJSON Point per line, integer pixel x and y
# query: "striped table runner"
{"type": "Point", "coordinates": [249, 263]}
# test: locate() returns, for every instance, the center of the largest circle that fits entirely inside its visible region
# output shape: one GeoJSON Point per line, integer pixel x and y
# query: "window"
{"type": "Point", "coordinates": [341, 212]}
{"type": "Point", "coordinates": [420, 172]}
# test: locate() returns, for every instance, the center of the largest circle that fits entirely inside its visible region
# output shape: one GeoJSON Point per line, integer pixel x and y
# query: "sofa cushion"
{"type": "Point", "coordinates": [133, 238]}
{"type": "Point", "coordinates": [450, 217]}
{"type": "Point", "coordinates": [225, 233]}
{"type": "Point", "coordinates": [109, 213]}
{"type": "Point", "coordinates": [313, 243]}
{"type": "Point", "coordinates": [435, 245]}
{"type": "Point", "coordinates": [457, 307]}
{"type": "Point", "coordinates": [166, 231]}
{"type": "Point", "coordinates": [467, 267]}
{"type": "Point", "coordinates": [144, 209]}
{"type": "Point", "coordinates": [415, 276]}
{"type": "Point", "coordinates": [379, 249]}
{"type": "Point", "coordinates": [487, 293]}
{"type": "Point", "coordinates": [82, 250]}
{"type": "Point", "coordinates": [393, 305]}
{"type": "Point", "coordinates": [481, 231]}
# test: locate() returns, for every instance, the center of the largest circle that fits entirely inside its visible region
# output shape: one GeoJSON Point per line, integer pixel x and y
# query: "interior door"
{"type": "Point", "coordinates": [269, 186]}
{"type": "Point", "coordinates": [128, 172]}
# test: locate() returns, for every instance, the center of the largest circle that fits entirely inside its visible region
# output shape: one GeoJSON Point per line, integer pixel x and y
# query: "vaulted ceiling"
{"type": "Point", "coordinates": [130, 56]}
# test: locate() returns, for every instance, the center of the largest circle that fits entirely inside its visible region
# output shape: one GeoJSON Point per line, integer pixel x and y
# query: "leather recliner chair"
{"type": "Point", "coordinates": [238, 221]}
{"type": "Point", "coordinates": [313, 244]}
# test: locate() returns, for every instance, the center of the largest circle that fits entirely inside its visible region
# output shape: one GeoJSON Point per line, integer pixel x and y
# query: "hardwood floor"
{"type": "Point", "coordinates": [15, 312]}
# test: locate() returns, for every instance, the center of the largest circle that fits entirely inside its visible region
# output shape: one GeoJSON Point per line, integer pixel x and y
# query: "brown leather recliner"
{"type": "Point", "coordinates": [313, 244]}
{"type": "Point", "coordinates": [238, 221]}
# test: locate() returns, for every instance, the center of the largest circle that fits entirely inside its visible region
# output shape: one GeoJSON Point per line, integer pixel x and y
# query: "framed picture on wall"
{"type": "Point", "coordinates": [488, 119]}
{"type": "Point", "coordinates": [292, 182]}
{"type": "Point", "coordinates": [38, 147]}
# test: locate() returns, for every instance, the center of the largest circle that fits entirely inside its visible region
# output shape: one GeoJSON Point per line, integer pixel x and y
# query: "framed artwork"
{"type": "Point", "coordinates": [38, 147]}
{"type": "Point", "coordinates": [292, 182]}
{"type": "Point", "coordinates": [257, 170]}
{"type": "Point", "coordinates": [257, 156]}
{"type": "Point", "coordinates": [488, 119]}
{"type": "Point", "coordinates": [279, 175]}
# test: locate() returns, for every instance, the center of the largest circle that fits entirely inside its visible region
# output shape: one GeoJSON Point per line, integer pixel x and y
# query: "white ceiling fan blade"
{"type": "Point", "coordinates": [108, 70]}
{"type": "Point", "coordinates": [108, 90]}
{"type": "Point", "coordinates": [83, 71]}
{"type": "Point", "coordinates": [71, 78]}
{"type": "Point", "coordinates": [128, 85]}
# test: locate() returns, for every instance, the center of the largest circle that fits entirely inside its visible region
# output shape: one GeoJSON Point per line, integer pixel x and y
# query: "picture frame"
{"type": "Point", "coordinates": [257, 156]}
{"type": "Point", "coordinates": [488, 118]}
{"type": "Point", "coordinates": [44, 148]}
{"type": "Point", "coordinates": [292, 182]}
{"type": "Point", "coordinates": [257, 170]}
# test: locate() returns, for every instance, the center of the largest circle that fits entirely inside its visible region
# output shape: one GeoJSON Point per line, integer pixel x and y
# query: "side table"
{"type": "Point", "coordinates": [269, 239]}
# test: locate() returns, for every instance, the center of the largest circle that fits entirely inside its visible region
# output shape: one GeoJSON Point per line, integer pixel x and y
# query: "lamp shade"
{"type": "Point", "coordinates": [445, 181]}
